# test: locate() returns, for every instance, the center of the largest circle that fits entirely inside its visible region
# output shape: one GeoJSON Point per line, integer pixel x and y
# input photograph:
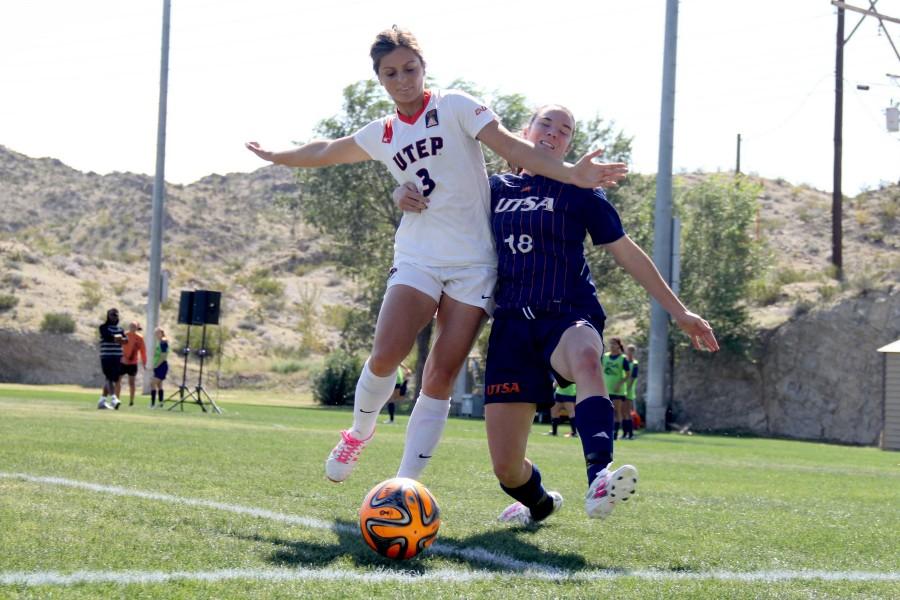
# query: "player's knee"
{"type": "Point", "coordinates": [439, 376]}
{"type": "Point", "coordinates": [383, 364]}
{"type": "Point", "coordinates": [586, 362]}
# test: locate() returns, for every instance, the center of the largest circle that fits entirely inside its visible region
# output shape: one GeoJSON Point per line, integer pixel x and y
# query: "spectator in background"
{"type": "Point", "coordinates": [133, 349]}
{"type": "Point", "coordinates": [399, 392]}
{"type": "Point", "coordinates": [616, 371]}
{"type": "Point", "coordinates": [563, 400]}
{"type": "Point", "coordinates": [160, 366]}
{"type": "Point", "coordinates": [631, 390]}
{"type": "Point", "coordinates": [112, 338]}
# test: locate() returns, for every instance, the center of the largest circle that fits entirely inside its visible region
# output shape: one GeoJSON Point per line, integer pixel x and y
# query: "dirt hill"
{"type": "Point", "coordinates": [78, 243]}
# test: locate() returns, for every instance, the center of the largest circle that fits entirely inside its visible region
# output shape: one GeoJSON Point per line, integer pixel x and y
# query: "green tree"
{"type": "Point", "coordinates": [719, 255]}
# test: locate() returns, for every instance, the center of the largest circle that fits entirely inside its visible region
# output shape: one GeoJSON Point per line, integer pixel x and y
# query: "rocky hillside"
{"type": "Point", "coordinates": [78, 243]}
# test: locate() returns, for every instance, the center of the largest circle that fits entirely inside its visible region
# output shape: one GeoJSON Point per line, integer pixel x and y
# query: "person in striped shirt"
{"type": "Point", "coordinates": [112, 338]}
{"type": "Point", "coordinates": [548, 319]}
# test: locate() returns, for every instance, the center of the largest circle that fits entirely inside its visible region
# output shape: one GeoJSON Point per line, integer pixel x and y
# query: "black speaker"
{"type": "Point", "coordinates": [186, 308]}
{"type": "Point", "coordinates": [206, 307]}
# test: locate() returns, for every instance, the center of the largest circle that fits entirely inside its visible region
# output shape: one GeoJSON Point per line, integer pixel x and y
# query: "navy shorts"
{"type": "Point", "coordinates": [560, 399]}
{"type": "Point", "coordinates": [519, 350]}
{"type": "Point", "coordinates": [112, 367]}
{"type": "Point", "coordinates": [161, 371]}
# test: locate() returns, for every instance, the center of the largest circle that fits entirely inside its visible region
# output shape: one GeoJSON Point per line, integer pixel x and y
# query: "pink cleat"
{"type": "Point", "coordinates": [609, 488]}
{"type": "Point", "coordinates": [519, 514]}
{"type": "Point", "coordinates": [343, 457]}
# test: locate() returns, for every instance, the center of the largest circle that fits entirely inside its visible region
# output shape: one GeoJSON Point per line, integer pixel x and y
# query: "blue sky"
{"type": "Point", "coordinates": [80, 79]}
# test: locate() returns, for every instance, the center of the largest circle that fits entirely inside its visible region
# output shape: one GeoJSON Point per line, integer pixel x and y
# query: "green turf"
{"type": "Point", "coordinates": [704, 504]}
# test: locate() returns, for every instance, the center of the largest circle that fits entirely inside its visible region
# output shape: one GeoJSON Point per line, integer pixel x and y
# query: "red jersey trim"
{"type": "Point", "coordinates": [388, 133]}
{"type": "Point", "coordinates": [412, 119]}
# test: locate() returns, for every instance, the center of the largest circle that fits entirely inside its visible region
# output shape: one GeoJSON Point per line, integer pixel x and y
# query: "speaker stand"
{"type": "Point", "coordinates": [180, 396]}
{"type": "Point", "coordinates": [200, 395]}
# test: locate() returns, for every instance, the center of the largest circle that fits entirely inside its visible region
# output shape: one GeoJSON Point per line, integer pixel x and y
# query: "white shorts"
{"type": "Point", "coordinates": [469, 285]}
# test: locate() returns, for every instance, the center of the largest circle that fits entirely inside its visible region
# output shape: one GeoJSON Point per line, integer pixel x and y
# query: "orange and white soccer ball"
{"type": "Point", "coordinates": [399, 518]}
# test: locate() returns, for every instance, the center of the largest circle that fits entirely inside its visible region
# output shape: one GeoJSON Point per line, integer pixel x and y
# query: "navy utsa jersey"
{"type": "Point", "coordinates": [539, 227]}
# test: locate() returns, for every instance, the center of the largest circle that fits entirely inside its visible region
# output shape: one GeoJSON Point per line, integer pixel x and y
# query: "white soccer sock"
{"type": "Point", "coordinates": [372, 393]}
{"type": "Point", "coordinates": [423, 432]}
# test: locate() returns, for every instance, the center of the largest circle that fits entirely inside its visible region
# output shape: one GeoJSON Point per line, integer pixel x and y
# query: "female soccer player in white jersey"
{"type": "Point", "coordinates": [443, 258]}
{"type": "Point", "coordinates": [548, 318]}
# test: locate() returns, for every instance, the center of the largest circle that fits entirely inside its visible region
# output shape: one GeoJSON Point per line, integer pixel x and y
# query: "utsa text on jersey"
{"type": "Point", "coordinates": [524, 204]}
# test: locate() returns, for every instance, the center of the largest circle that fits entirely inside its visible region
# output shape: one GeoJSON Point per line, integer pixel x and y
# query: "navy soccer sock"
{"type": "Point", "coordinates": [594, 417]}
{"type": "Point", "coordinates": [616, 430]}
{"type": "Point", "coordinates": [627, 428]}
{"type": "Point", "coordinates": [391, 409]}
{"type": "Point", "coordinates": [533, 495]}
{"type": "Point", "coordinates": [555, 425]}
{"type": "Point", "coordinates": [152, 397]}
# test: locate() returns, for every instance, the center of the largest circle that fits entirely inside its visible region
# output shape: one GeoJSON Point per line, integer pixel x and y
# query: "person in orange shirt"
{"type": "Point", "coordinates": [134, 347]}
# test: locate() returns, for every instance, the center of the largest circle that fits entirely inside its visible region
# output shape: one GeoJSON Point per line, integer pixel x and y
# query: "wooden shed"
{"type": "Point", "coordinates": [890, 435]}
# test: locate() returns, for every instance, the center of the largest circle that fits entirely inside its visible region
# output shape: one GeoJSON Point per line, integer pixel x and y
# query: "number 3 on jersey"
{"type": "Point", "coordinates": [524, 245]}
{"type": "Point", "coordinates": [427, 182]}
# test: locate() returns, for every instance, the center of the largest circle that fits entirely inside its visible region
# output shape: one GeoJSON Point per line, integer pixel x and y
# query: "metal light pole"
{"type": "Point", "coordinates": [662, 237]}
{"type": "Point", "coordinates": [159, 191]}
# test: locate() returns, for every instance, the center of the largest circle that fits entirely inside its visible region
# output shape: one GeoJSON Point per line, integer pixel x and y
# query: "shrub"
{"type": "Point", "coordinates": [336, 382]}
{"type": "Point", "coordinates": [7, 301]}
{"type": "Point", "coordinates": [261, 283]}
{"type": "Point", "coordinates": [764, 292]}
{"type": "Point", "coordinates": [58, 323]}
{"type": "Point", "coordinates": [286, 367]}
{"type": "Point", "coordinates": [90, 295]}
{"type": "Point", "coordinates": [827, 291]}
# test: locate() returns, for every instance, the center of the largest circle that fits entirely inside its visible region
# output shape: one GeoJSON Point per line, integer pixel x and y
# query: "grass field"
{"type": "Point", "coordinates": [156, 504]}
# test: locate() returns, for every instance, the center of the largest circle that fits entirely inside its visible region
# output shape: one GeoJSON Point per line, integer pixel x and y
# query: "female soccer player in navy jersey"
{"type": "Point", "coordinates": [443, 258]}
{"type": "Point", "coordinates": [548, 318]}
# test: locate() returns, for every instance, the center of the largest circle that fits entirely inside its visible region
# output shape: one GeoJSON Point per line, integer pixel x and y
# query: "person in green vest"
{"type": "Point", "coordinates": [398, 394]}
{"type": "Point", "coordinates": [160, 366]}
{"type": "Point", "coordinates": [630, 392]}
{"type": "Point", "coordinates": [563, 400]}
{"type": "Point", "coordinates": [616, 373]}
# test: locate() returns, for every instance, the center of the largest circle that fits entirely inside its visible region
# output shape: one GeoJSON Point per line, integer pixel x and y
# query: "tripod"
{"type": "Point", "coordinates": [198, 394]}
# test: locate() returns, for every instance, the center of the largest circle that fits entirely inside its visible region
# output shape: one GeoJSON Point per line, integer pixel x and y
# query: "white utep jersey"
{"type": "Point", "coordinates": [436, 149]}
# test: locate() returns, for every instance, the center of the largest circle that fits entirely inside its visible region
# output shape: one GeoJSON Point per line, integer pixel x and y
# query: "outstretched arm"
{"type": "Point", "coordinates": [517, 151]}
{"type": "Point", "coordinates": [634, 260]}
{"type": "Point", "coordinates": [319, 153]}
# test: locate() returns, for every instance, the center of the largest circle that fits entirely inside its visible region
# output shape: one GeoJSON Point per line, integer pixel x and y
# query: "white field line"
{"type": "Point", "coordinates": [512, 568]}
{"type": "Point", "coordinates": [441, 575]}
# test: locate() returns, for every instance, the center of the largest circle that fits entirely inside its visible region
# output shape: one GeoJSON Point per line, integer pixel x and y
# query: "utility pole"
{"type": "Point", "coordinates": [159, 191]}
{"type": "Point", "coordinates": [836, 197]}
{"type": "Point", "coordinates": [657, 359]}
{"type": "Point", "coordinates": [737, 163]}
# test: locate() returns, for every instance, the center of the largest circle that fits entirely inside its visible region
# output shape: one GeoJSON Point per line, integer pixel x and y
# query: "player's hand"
{"type": "Point", "coordinates": [408, 198]}
{"type": "Point", "coordinates": [700, 332]}
{"type": "Point", "coordinates": [589, 174]}
{"type": "Point", "coordinates": [257, 150]}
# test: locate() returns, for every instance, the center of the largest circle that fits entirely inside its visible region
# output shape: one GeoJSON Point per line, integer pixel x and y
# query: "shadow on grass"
{"type": "Point", "coordinates": [502, 550]}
